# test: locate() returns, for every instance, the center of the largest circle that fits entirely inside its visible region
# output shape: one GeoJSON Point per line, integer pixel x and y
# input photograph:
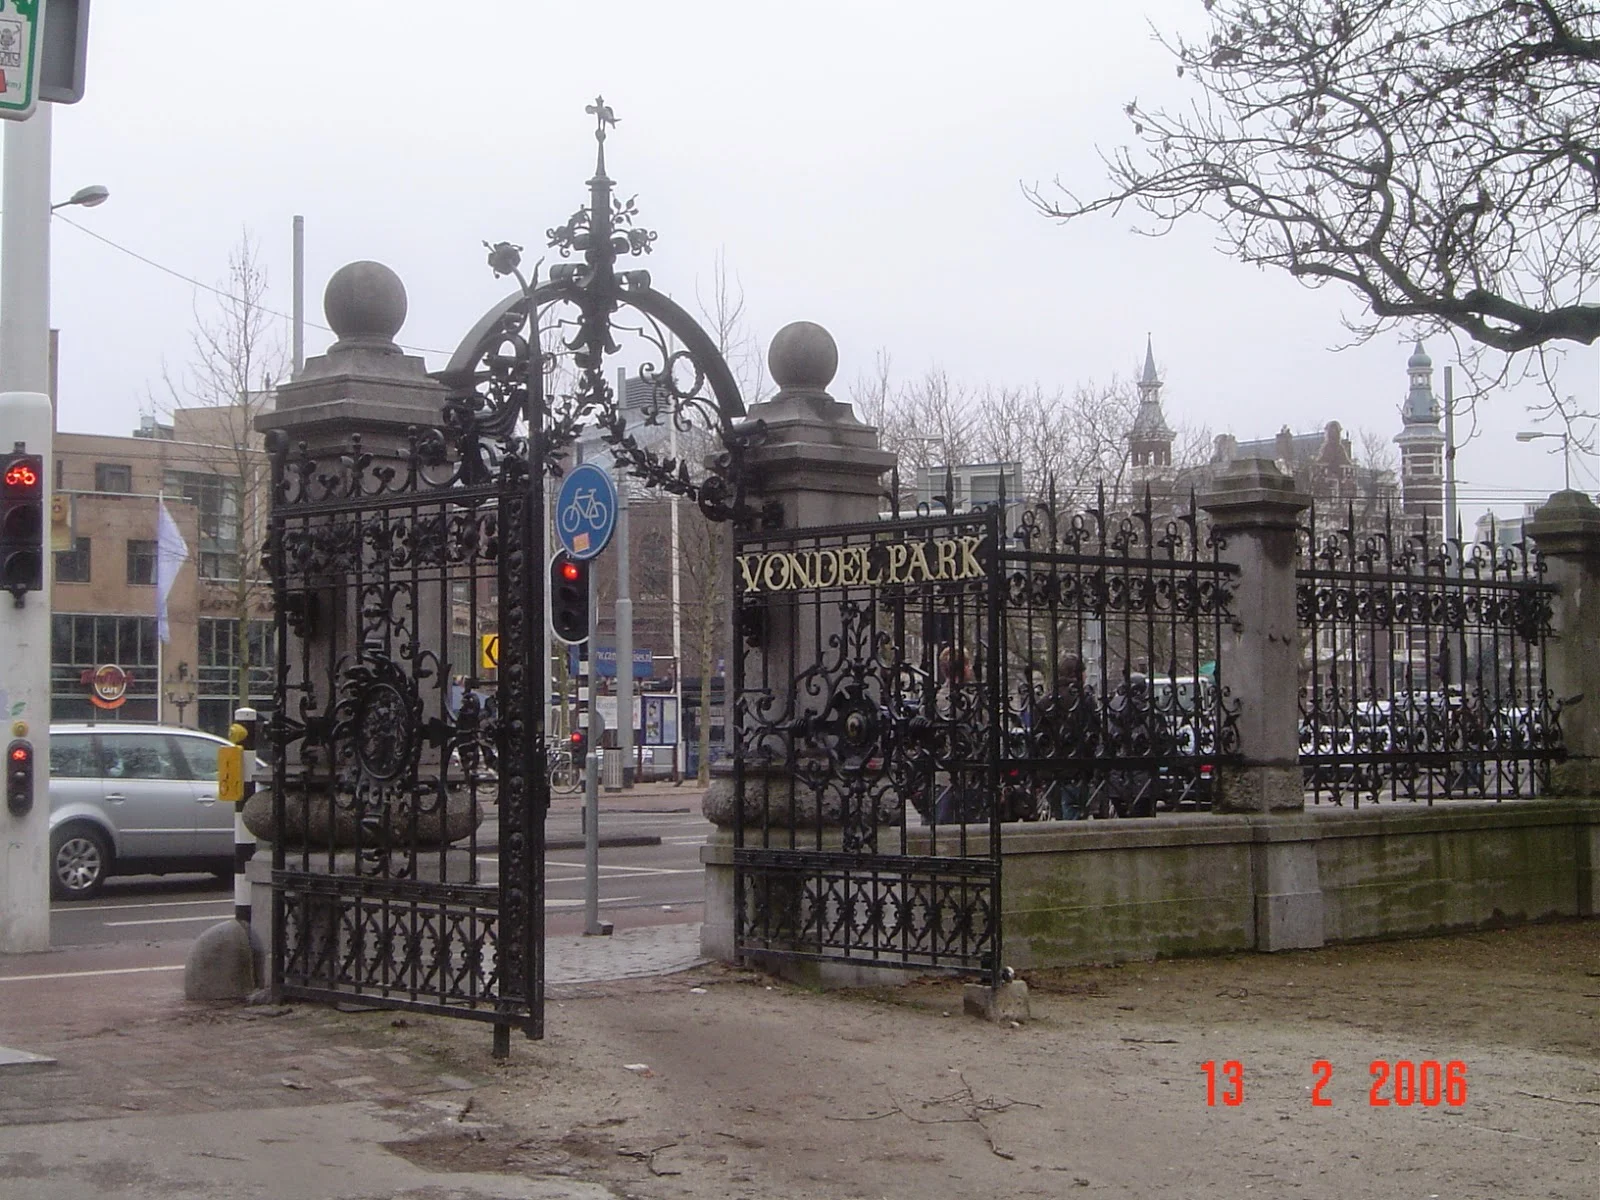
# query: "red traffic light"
{"type": "Point", "coordinates": [22, 475]}
{"type": "Point", "coordinates": [576, 737]}
{"type": "Point", "coordinates": [20, 754]}
{"type": "Point", "coordinates": [571, 571]}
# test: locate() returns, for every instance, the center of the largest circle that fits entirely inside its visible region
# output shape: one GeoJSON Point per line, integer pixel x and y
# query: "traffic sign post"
{"type": "Point", "coordinates": [586, 511]}
{"type": "Point", "coordinates": [21, 24]}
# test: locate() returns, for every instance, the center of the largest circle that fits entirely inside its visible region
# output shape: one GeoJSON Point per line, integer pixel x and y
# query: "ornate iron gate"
{"type": "Point", "coordinates": [381, 887]}
{"type": "Point", "coordinates": [388, 566]}
{"type": "Point", "coordinates": [866, 766]}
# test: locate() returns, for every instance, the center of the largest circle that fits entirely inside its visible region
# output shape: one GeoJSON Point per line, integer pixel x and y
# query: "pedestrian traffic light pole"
{"type": "Point", "coordinates": [25, 465]}
{"type": "Point", "coordinates": [25, 418]}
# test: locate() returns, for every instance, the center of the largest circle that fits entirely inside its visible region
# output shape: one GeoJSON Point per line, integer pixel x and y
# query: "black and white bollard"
{"type": "Point", "coordinates": [226, 962]}
{"type": "Point", "coordinates": [244, 842]}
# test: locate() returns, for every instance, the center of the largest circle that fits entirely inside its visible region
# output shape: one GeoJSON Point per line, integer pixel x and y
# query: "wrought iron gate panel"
{"type": "Point", "coordinates": [389, 748]}
{"type": "Point", "coordinates": [866, 765]}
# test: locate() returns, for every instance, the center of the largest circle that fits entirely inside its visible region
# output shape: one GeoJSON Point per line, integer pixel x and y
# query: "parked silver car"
{"type": "Point", "coordinates": [131, 799]}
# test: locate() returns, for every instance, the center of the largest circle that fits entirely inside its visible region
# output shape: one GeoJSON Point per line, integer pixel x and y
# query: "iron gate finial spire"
{"type": "Point", "coordinates": [603, 116]}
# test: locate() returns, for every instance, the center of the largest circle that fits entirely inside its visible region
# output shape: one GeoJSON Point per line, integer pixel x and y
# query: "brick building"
{"type": "Point", "coordinates": [104, 530]}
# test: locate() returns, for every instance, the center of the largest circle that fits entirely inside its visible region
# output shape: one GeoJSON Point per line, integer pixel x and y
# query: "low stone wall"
{"type": "Point", "coordinates": [1108, 891]}
{"type": "Point", "coordinates": [1198, 884]}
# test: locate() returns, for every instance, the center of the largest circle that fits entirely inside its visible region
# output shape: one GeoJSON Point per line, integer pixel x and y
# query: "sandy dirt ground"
{"type": "Point", "coordinates": [725, 1083]}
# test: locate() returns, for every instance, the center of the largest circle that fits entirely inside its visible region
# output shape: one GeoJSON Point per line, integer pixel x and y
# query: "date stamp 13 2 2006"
{"type": "Point", "coordinates": [1394, 1083]}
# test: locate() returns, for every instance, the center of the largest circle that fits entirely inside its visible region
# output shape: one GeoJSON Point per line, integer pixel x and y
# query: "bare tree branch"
{"type": "Point", "coordinates": [1441, 158]}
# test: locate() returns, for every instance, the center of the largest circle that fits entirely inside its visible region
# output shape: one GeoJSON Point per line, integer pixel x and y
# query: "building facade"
{"type": "Point", "coordinates": [108, 661]}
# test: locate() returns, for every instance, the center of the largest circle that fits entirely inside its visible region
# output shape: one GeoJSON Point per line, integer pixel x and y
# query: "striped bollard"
{"type": "Point", "coordinates": [246, 725]}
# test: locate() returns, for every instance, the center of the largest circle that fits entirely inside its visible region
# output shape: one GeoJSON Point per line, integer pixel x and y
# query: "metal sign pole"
{"type": "Point", "coordinates": [592, 925]}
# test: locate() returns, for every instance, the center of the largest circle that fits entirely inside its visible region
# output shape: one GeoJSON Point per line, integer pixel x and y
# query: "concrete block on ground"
{"type": "Point", "coordinates": [226, 962]}
{"type": "Point", "coordinates": [1008, 1002]}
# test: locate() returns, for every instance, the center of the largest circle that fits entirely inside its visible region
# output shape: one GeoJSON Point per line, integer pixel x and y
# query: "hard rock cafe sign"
{"type": "Point", "coordinates": [108, 685]}
{"type": "Point", "coordinates": [938, 560]}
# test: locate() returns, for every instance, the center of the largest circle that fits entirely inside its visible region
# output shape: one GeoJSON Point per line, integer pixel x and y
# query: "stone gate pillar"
{"type": "Point", "coordinates": [1566, 530]}
{"type": "Point", "coordinates": [1256, 507]}
{"type": "Point", "coordinates": [366, 386]}
{"type": "Point", "coordinates": [821, 466]}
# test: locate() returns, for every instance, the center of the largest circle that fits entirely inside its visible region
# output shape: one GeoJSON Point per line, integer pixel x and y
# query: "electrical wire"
{"type": "Point", "coordinates": [215, 291]}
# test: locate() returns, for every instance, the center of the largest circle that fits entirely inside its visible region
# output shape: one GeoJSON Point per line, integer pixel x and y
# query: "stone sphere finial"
{"type": "Point", "coordinates": [365, 304]}
{"type": "Point", "coordinates": [803, 357]}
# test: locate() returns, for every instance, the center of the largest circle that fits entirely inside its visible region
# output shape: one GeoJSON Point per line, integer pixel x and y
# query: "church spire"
{"type": "Point", "coordinates": [1150, 439]}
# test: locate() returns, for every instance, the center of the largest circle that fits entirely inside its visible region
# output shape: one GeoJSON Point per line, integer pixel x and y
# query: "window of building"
{"type": "Point", "coordinates": [91, 640]}
{"type": "Point", "coordinates": [113, 477]}
{"type": "Point", "coordinates": [216, 642]}
{"type": "Point", "coordinates": [141, 561]}
{"type": "Point", "coordinates": [216, 501]}
{"type": "Point", "coordinates": [72, 566]}
{"type": "Point", "coordinates": [80, 642]}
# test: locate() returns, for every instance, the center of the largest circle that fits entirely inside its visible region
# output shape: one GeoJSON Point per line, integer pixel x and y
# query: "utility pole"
{"type": "Point", "coordinates": [299, 331]}
{"type": "Point", "coordinates": [624, 637]}
{"type": "Point", "coordinates": [677, 621]}
{"type": "Point", "coordinates": [1450, 529]}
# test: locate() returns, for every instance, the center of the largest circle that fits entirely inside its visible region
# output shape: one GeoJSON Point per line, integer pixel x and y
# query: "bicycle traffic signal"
{"type": "Point", "coordinates": [569, 598]}
{"type": "Point", "coordinates": [22, 524]}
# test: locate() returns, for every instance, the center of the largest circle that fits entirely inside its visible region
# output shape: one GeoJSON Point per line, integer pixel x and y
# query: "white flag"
{"type": "Point", "coordinates": [171, 553]}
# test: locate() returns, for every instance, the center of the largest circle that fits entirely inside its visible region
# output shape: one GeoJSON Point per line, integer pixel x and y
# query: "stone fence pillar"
{"type": "Point", "coordinates": [1256, 507]}
{"type": "Point", "coordinates": [1566, 530]}
{"type": "Point", "coordinates": [822, 466]}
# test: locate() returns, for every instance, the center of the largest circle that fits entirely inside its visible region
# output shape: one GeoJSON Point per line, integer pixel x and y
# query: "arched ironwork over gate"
{"type": "Point", "coordinates": [384, 773]}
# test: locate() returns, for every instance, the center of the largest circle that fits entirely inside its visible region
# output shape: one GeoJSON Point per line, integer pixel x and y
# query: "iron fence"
{"type": "Point", "coordinates": [1114, 622]}
{"type": "Point", "coordinates": [1423, 663]}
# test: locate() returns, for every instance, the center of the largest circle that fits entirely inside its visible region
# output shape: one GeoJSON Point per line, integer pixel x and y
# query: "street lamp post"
{"type": "Point", "coordinates": [1533, 435]}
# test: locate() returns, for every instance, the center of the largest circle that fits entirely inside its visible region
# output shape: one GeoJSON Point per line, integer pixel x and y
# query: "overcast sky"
{"type": "Point", "coordinates": [857, 163]}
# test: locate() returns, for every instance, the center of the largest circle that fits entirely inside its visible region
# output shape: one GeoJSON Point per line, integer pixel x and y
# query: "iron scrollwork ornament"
{"type": "Point", "coordinates": [573, 321]}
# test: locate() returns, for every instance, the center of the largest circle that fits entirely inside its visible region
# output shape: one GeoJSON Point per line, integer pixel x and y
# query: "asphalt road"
{"type": "Point", "coordinates": [639, 885]}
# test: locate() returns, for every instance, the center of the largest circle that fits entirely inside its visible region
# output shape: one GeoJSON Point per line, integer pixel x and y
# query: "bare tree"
{"type": "Point", "coordinates": [1439, 157]}
{"type": "Point", "coordinates": [704, 550]}
{"type": "Point", "coordinates": [236, 357]}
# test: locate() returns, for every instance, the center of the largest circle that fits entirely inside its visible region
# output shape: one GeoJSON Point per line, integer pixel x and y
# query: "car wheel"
{"type": "Point", "coordinates": [80, 859]}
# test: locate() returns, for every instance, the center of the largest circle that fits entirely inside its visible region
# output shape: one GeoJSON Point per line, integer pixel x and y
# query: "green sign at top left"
{"type": "Point", "coordinates": [20, 24]}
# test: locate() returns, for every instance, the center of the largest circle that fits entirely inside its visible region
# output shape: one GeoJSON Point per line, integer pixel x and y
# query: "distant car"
{"type": "Point", "coordinates": [131, 799]}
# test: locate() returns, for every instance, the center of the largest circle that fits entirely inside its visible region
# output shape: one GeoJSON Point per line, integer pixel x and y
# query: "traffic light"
{"type": "Point", "coordinates": [22, 524]}
{"type": "Point", "coordinates": [569, 598]}
{"type": "Point", "coordinates": [578, 744]}
{"type": "Point", "coordinates": [19, 777]}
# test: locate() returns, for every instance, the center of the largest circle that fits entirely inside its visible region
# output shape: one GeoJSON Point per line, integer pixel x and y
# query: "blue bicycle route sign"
{"type": "Point", "coordinates": [586, 511]}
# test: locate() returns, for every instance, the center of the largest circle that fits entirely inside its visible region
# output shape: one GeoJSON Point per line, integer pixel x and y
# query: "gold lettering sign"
{"type": "Point", "coordinates": [943, 560]}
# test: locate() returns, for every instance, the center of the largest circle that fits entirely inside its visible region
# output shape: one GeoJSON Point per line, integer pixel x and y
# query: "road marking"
{"type": "Point", "coordinates": [685, 841]}
{"type": "Point", "coordinates": [634, 870]}
{"type": "Point", "coordinates": [216, 916]}
{"type": "Point", "coordinates": [72, 908]}
{"type": "Point", "coordinates": [83, 974]}
{"type": "Point", "coordinates": [575, 903]}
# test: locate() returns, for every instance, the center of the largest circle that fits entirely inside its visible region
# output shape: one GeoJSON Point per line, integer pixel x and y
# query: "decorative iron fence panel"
{"type": "Point", "coordinates": [1115, 620]}
{"type": "Point", "coordinates": [905, 689]}
{"type": "Point", "coordinates": [1423, 664]}
{"type": "Point", "coordinates": [866, 766]}
{"type": "Point", "coordinates": [388, 755]}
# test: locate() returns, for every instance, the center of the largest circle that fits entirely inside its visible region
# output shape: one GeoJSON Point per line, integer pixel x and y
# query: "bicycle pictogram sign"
{"type": "Point", "coordinates": [586, 511]}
